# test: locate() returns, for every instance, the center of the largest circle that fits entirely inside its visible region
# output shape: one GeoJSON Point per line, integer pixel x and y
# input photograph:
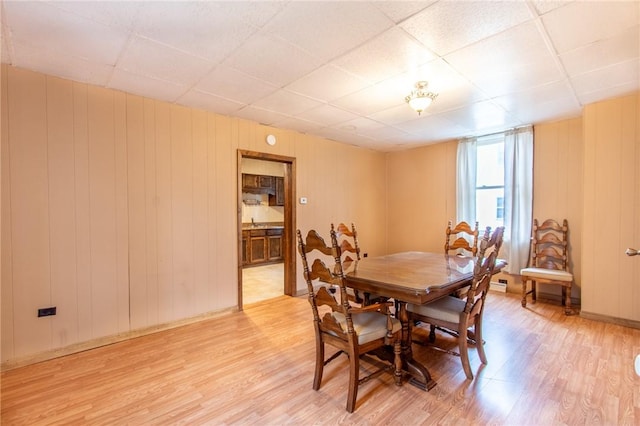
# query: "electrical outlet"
{"type": "Point", "coordinates": [45, 312]}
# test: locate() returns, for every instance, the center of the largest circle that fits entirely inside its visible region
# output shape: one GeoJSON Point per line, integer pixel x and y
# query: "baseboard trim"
{"type": "Point", "coordinates": [108, 340]}
{"type": "Point", "coordinates": [611, 320]}
{"type": "Point", "coordinates": [499, 287]}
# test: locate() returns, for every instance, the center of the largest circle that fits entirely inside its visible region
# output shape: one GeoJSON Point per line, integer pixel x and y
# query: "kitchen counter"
{"type": "Point", "coordinates": [262, 225]}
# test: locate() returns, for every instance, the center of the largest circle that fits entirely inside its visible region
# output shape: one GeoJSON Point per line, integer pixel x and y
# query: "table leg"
{"type": "Point", "coordinates": [420, 376]}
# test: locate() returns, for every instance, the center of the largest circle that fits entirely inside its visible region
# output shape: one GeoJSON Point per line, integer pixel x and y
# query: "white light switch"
{"type": "Point", "coordinates": [303, 200]}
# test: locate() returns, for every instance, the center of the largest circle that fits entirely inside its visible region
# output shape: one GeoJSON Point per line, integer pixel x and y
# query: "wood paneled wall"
{"type": "Point", "coordinates": [421, 190]}
{"type": "Point", "coordinates": [121, 211]}
{"type": "Point", "coordinates": [611, 213]}
{"type": "Point", "coordinates": [558, 188]}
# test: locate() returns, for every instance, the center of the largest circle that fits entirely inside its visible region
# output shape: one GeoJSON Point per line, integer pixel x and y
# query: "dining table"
{"type": "Point", "coordinates": [412, 277]}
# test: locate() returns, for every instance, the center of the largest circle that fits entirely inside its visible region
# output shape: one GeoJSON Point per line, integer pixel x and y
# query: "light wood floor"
{"type": "Point", "coordinates": [256, 367]}
{"type": "Point", "coordinates": [262, 283]}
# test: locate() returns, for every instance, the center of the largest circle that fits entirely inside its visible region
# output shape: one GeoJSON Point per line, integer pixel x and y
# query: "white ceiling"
{"type": "Point", "coordinates": [341, 69]}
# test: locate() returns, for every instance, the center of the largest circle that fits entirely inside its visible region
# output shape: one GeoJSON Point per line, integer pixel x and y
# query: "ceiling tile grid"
{"type": "Point", "coordinates": [341, 70]}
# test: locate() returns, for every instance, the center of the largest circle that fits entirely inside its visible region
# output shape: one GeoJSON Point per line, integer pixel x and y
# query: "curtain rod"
{"type": "Point", "coordinates": [497, 133]}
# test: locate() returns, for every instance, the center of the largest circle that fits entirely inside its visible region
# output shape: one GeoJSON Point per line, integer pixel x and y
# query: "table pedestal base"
{"type": "Point", "coordinates": [420, 376]}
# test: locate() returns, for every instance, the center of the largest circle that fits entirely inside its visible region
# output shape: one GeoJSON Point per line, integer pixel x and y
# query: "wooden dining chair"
{"type": "Point", "coordinates": [465, 243]}
{"type": "Point", "coordinates": [461, 314]}
{"type": "Point", "coordinates": [354, 331]}
{"type": "Point", "coordinates": [489, 244]}
{"type": "Point", "coordinates": [465, 238]}
{"type": "Point", "coordinates": [548, 262]}
{"type": "Point", "coordinates": [350, 255]}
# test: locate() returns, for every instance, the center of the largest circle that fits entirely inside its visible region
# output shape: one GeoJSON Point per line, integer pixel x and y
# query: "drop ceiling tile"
{"type": "Point", "coordinates": [381, 132]}
{"type": "Point", "coordinates": [542, 103]}
{"type": "Point", "coordinates": [327, 32]}
{"type": "Point", "coordinates": [298, 124]}
{"type": "Point", "coordinates": [398, 11]}
{"type": "Point", "coordinates": [42, 26]}
{"type": "Point", "coordinates": [601, 94]}
{"type": "Point", "coordinates": [344, 137]}
{"type": "Point", "coordinates": [480, 116]}
{"type": "Point", "coordinates": [260, 115]}
{"type": "Point", "coordinates": [255, 13]}
{"type": "Point", "coordinates": [384, 95]}
{"type": "Point", "coordinates": [615, 80]}
{"type": "Point", "coordinates": [146, 86]}
{"type": "Point", "coordinates": [147, 57]}
{"type": "Point", "coordinates": [117, 14]}
{"type": "Point", "coordinates": [286, 102]}
{"type": "Point", "coordinates": [273, 60]}
{"type": "Point", "coordinates": [393, 52]}
{"type": "Point", "coordinates": [583, 22]}
{"type": "Point", "coordinates": [546, 6]}
{"type": "Point", "coordinates": [327, 115]}
{"type": "Point", "coordinates": [193, 27]}
{"type": "Point", "coordinates": [358, 125]}
{"type": "Point", "coordinates": [512, 61]}
{"type": "Point", "coordinates": [327, 83]}
{"type": "Point", "coordinates": [61, 65]}
{"type": "Point", "coordinates": [451, 25]}
{"type": "Point", "coordinates": [433, 128]}
{"type": "Point", "coordinates": [209, 102]}
{"type": "Point", "coordinates": [397, 114]}
{"type": "Point", "coordinates": [619, 48]}
{"type": "Point", "coordinates": [234, 85]}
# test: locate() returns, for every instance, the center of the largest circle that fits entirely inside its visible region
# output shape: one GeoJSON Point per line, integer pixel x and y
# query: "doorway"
{"type": "Point", "coordinates": [270, 271]}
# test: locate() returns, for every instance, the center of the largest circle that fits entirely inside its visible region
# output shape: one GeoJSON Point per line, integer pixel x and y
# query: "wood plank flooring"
{"type": "Point", "coordinates": [256, 367]}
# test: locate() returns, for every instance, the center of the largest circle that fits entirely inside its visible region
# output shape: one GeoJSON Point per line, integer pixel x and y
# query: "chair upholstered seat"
{"type": "Point", "coordinates": [446, 309]}
{"type": "Point", "coordinates": [547, 274]}
{"type": "Point", "coordinates": [369, 326]}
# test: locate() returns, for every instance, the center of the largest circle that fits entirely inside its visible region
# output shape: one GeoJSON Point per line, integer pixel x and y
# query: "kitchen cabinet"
{"type": "Point", "coordinates": [261, 246]}
{"type": "Point", "coordinates": [246, 237]}
{"type": "Point", "coordinates": [277, 199]}
{"type": "Point", "coordinates": [258, 246]}
{"type": "Point", "coordinates": [275, 244]}
{"type": "Point", "coordinates": [258, 184]}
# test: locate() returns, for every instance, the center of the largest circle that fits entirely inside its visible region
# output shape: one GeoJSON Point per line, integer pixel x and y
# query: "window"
{"type": "Point", "coordinates": [494, 186]}
{"type": "Point", "coordinates": [490, 181]}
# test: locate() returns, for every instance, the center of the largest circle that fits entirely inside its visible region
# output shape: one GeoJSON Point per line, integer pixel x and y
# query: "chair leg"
{"type": "Point", "coordinates": [464, 353]}
{"type": "Point", "coordinates": [567, 300]}
{"type": "Point", "coordinates": [534, 291]}
{"type": "Point", "coordinates": [397, 352]}
{"type": "Point", "coordinates": [524, 292]}
{"type": "Point", "coordinates": [354, 372]}
{"type": "Point", "coordinates": [479, 342]}
{"type": "Point", "coordinates": [432, 333]}
{"type": "Point", "coordinates": [317, 378]}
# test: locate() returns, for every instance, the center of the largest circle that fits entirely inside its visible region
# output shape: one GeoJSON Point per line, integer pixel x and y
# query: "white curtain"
{"type": "Point", "coordinates": [518, 197]}
{"type": "Point", "coordinates": [466, 181]}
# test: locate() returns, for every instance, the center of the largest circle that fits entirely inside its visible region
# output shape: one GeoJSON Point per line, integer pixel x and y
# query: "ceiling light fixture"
{"type": "Point", "coordinates": [420, 99]}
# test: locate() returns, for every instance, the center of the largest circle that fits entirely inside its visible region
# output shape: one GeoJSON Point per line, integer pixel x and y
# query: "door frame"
{"type": "Point", "coordinates": [289, 244]}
